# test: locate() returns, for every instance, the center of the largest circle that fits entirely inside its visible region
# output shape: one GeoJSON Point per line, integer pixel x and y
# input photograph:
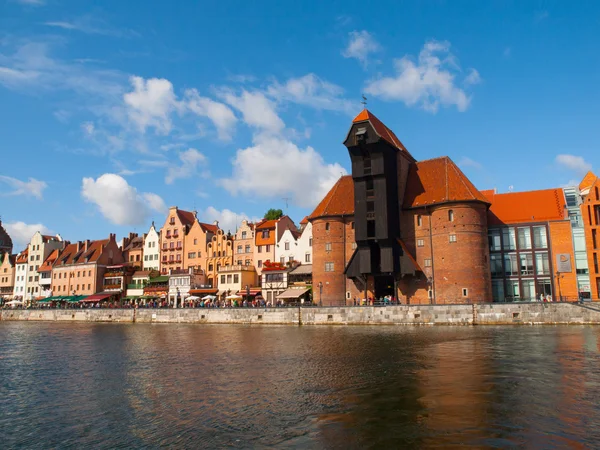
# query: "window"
{"type": "Point", "coordinates": [328, 246]}
{"type": "Point", "coordinates": [222, 279]}
{"type": "Point", "coordinates": [156, 256]}
{"type": "Point", "coordinates": [451, 216]}
{"type": "Point", "coordinates": [260, 249]}
{"type": "Point", "coordinates": [290, 259]}
{"type": "Point", "coordinates": [210, 267]}
{"type": "Point", "coordinates": [240, 248]}
{"type": "Point", "coordinates": [307, 257]}
{"type": "Point", "coordinates": [524, 238]}
{"type": "Point", "coordinates": [259, 263]}
{"type": "Point", "coordinates": [452, 238]}
{"type": "Point", "coordinates": [352, 225]}
{"type": "Point", "coordinates": [229, 278]}
{"type": "Point", "coordinates": [419, 220]}
{"type": "Point", "coordinates": [271, 277]}
{"type": "Point", "coordinates": [131, 258]}
{"type": "Point", "coordinates": [236, 278]}
{"type": "Point", "coordinates": [526, 260]}
{"type": "Point", "coordinates": [244, 233]}
{"type": "Point", "coordinates": [287, 245]}
{"type": "Point", "coordinates": [145, 257]}
{"type": "Point", "coordinates": [367, 164]}
{"type": "Point", "coordinates": [595, 263]}
{"type": "Point", "coordinates": [310, 242]}
{"type": "Point", "coordinates": [195, 241]}
{"type": "Point", "coordinates": [420, 243]}
{"type": "Point", "coordinates": [282, 260]}
{"type": "Point", "coordinates": [542, 264]}
{"type": "Point", "coordinates": [267, 248]}
{"type": "Point", "coordinates": [465, 292]}
{"type": "Point", "coordinates": [539, 237]}
{"type": "Point", "coordinates": [247, 249]}
{"type": "Point", "coordinates": [248, 262]}
{"type": "Point", "coordinates": [329, 267]}
{"type": "Point", "coordinates": [192, 255]}
{"type": "Point", "coordinates": [89, 273]}
{"type": "Point", "coordinates": [510, 265]}
{"type": "Point", "coordinates": [594, 241]}
{"type": "Point", "coordinates": [571, 199]}
{"type": "Point", "coordinates": [512, 290]}
{"type": "Point", "coordinates": [265, 234]}
{"type": "Point", "coordinates": [528, 290]}
{"type": "Point", "coordinates": [353, 245]}
{"type": "Point", "coordinates": [31, 268]}
{"type": "Point", "coordinates": [496, 265]}
{"type": "Point", "coordinates": [509, 239]}
{"type": "Point", "coordinates": [327, 226]}
{"type": "Point", "coordinates": [172, 245]}
{"type": "Point", "coordinates": [427, 262]}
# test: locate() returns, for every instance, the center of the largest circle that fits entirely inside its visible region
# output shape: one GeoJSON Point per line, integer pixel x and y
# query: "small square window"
{"type": "Point", "coordinates": [427, 262]}
{"type": "Point", "coordinates": [452, 238]}
{"type": "Point", "coordinates": [420, 243]}
{"type": "Point", "coordinates": [328, 246]}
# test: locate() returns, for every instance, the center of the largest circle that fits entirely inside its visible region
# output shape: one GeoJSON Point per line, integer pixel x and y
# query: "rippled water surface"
{"type": "Point", "coordinates": [193, 386]}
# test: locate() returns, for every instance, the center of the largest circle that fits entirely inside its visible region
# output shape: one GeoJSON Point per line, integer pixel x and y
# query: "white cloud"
{"type": "Point", "coordinates": [151, 103]}
{"type": "Point", "coordinates": [88, 128]}
{"type": "Point", "coordinates": [228, 220]}
{"type": "Point", "coordinates": [360, 46]}
{"type": "Point", "coordinates": [274, 167]}
{"type": "Point", "coordinates": [575, 163]}
{"type": "Point", "coordinates": [120, 203]}
{"type": "Point", "coordinates": [21, 233]}
{"type": "Point", "coordinates": [473, 77]}
{"type": "Point", "coordinates": [220, 114]}
{"type": "Point", "coordinates": [257, 110]}
{"type": "Point", "coordinates": [428, 83]}
{"type": "Point", "coordinates": [31, 187]}
{"type": "Point", "coordinates": [190, 160]}
{"type": "Point", "coordinates": [90, 25]}
{"type": "Point", "coordinates": [310, 90]}
{"type": "Point", "coordinates": [468, 162]}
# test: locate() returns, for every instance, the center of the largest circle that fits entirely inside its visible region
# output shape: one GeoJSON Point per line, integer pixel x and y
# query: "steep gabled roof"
{"type": "Point", "coordinates": [339, 201]}
{"type": "Point", "coordinates": [22, 257]}
{"type": "Point", "coordinates": [304, 221]}
{"type": "Point", "coordinates": [266, 224]}
{"type": "Point", "coordinates": [49, 261]}
{"type": "Point", "coordinates": [186, 217]}
{"type": "Point", "coordinates": [524, 207]}
{"type": "Point", "coordinates": [136, 243]}
{"type": "Point", "coordinates": [382, 130]}
{"type": "Point", "coordinates": [209, 227]}
{"type": "Point", "coordinates": [588, 181]}
{"type": "Point", "coordinates": [438, 181]}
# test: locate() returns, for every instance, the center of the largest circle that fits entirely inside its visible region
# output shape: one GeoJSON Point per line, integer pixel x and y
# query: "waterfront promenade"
{"type": "Point", "coordinates": [475, 314]}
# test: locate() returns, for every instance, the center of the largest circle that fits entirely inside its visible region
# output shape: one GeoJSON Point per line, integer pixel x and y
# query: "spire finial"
{"type": "Point", "coordinates": [364, 101]}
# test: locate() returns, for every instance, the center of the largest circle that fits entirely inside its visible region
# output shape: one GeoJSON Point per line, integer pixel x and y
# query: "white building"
{"type": "Point", "coordinates": [152, 249]}
{"type": "Point", "coordinates": [180, 283]}
{"type": "Point", "coordinates": [295, 245]}
{"type": "Point", "coordinates": [21, 274]}
{"type": "Point", "coordinates": [39, 249]}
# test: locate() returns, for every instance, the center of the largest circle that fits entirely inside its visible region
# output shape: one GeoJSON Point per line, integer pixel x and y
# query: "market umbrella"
{"type": "Point", "coordinates": [14, 302]}
{"type": "Point", "coordinates": [234, 297]}
{"type": "Point", "coordinates": [192, 297]}
{"type": "Point", "coordinates": [208, 297]}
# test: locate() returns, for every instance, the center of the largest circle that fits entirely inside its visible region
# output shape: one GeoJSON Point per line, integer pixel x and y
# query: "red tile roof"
{"type": "Point", "coordinates": [437, 181]}
{"type": "Point", "coordinates": [266, 224]}
{"type": "Point", "coordinates": [49, 261]}
{"type": "Point", "coordinates": [525, 207]}
{"type": "Point", "coordinates": [304, 221]}
{"type": "Point", "coordinates": [22, 257]}
{"type": "Point", "coordinates": [339, 201]}
{"type": "Point", "coordinates": [71, 255]}
{"type": "Point", "coordinates": [588, 181]}
{"type": "Point", "coordinates": [383, 131]}
{"type": "Point", "coordinates": [186, 217]}
{"type": "Point", "coordinates": [209, 227]}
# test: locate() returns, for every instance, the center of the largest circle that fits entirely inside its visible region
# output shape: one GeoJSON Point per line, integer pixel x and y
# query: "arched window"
{"type": "Point", "coordinates": [451, 215]}
{"type": "Point", "coordinates": [327, 226]}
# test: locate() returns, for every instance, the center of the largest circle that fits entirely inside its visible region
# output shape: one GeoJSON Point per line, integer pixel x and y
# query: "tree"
{"type": "Point", "coordinates": [273, 214]}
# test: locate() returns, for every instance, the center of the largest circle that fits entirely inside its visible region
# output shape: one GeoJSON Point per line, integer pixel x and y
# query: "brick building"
{"type": "Point", "coordinates": [589, 189]}
{"type": "Point", "coordinates": [172, 238]}
{"type": "Point", "coordinates": [413, 230]}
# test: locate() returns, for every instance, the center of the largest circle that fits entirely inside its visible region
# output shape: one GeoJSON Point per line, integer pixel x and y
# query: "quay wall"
{"type": "Point", "coordinates": [476, 314]}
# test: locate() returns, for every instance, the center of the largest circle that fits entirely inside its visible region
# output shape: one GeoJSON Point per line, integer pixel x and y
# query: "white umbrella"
{"type": "Point", "coordinates": [14, 302]}
{"type": "Point", "coordinates": [192, 297]}
{"type": "Point", "coordinates": [233, 297]}
{"type": "Point", "coordinates": [208, 297]}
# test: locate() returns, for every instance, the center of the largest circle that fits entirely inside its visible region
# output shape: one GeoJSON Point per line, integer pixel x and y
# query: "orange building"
{"type": "Point", "coordinates": [133, 250]}
{"type": "Point", "coordinates": [266, 235]}
{"type": "Point", "coordinates": [80, 268]}
{"type": "Point", "coordinates": [198, 237]}
{"type": "Point", "coordinates": [220, 254]}
{"type": "Point", "coordinates": [7, 275]}
{"type": "Point", "coordinates": [531, 246]}
{"type": "Point", "coordinates": [589, 190]}
{"type": "Point", "coordinates": [172, 238]}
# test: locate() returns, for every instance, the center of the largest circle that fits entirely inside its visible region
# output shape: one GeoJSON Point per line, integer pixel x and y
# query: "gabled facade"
{"type": "Point", "coordinates": [21, 274]}
{"type": "Point", "coordinates": [172, 238]}
{"type": "Point", "coordinates": [295, 246]}
{"type": "Point", "coordinates": [196, 241]}
{"type": "Point", "coordinates": [45, 273]}
{"type": "Point", "coordinates": [133, 250]}
{"type": "Point", "coordinates": [151, 249]}
{"type": "Point", "coordinates": [220, 254]}
{"type": "Point", "coordinates": [81, 266]}
{"type": "Point", "coordinates": [267, 234]}
{"type": "Point", "coordinates": [7, 275]}
{"type": "Point", "coordinates": [589, 190]}
{"type": "Point", "coordinates": [39, 248]}
{"type": "Point", "coordinates": [245, 247]}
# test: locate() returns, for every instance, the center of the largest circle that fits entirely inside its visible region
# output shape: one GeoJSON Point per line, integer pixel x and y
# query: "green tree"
{"type": "Point", "coordinates": [273, 214]}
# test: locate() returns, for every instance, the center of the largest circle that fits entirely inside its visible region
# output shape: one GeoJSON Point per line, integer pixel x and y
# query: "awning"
{"type": "Point", "coordinates": [204, 291]}
{"type": "Point", "coordinates": [253, 291]}
{"type": "Point", "coordinates": [50, 299]}
{"type": "Point", "coordinates": [73, 298]}
{"type": "Point", "coordinates": [303, 269]}
{"type": "Point", "coordinates": [293, 293]}
{"type": "Point", "coordinates": [96, 297]}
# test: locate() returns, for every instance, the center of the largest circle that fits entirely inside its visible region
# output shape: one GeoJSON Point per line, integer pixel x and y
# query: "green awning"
{"type": "Point", "coordinates": [56, 298]}
{"type": "Point", "coordinates": [74, 298]}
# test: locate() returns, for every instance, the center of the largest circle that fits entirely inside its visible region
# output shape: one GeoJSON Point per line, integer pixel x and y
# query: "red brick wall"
{"type": "Point", "coordinates": [561, 241]}
{"type": "Point", "coordinates": [587, 213]}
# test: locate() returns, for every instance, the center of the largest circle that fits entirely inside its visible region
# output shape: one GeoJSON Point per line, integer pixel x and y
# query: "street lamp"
{"type": "Point", "coordinates": [320, 293]}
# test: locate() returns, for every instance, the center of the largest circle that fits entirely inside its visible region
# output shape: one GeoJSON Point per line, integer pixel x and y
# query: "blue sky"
{"type": "Point", "coordinates": [112, 111]}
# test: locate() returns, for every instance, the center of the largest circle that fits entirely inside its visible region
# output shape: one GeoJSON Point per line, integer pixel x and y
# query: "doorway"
{"type": "Point", "coordinates": [384, 285]}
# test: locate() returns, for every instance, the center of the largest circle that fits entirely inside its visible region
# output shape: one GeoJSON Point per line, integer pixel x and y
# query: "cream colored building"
{"type": "Point", "coordinates": [152, 249]}
{"type": "Point", "coordinates": [244, 244]}
{"type": "Point", "coordinates": [39, 248]}
{"type": "Point", "coordinates": [234, 279]}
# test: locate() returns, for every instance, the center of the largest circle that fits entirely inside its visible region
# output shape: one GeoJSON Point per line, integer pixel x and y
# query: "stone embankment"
{"type": "Point", "coordinates": [483, 314]}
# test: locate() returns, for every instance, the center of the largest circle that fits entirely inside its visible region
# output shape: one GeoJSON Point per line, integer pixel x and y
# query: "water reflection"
{"type": "Point", "coordinates": [189, 386]}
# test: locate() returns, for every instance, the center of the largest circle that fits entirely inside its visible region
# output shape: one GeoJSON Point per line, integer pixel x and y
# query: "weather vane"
{"type": "Point", "coordinates": [364, 101]}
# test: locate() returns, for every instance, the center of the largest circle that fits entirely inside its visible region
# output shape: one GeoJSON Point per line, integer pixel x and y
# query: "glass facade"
{"type": "Point", "coordinates": [520, 263]}
{"type": "Point", "coordinates": [581, 262]}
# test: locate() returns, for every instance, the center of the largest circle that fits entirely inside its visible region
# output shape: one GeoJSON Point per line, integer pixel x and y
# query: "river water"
{"type": "Point", "coordinates": [194, 386]}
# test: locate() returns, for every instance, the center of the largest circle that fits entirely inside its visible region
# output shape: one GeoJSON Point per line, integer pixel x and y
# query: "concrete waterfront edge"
{"type": "Point", "coordinates": [477, 314]}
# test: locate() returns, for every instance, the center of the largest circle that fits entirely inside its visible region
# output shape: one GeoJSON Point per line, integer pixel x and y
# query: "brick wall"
{"type": "Point", "coordinates": [591, 225]}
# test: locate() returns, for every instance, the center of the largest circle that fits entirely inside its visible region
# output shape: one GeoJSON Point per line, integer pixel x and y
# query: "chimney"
{"type": "Point", "coordinates": [112, 237]}
{"type": "Point", "coordinates": [87, 244]}
{"type": "Point", "coordinates": [79, 243]}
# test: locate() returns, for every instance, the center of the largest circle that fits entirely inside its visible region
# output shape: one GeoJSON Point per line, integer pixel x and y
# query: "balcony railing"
{"type": "Point", "coordinates": [112, 286]}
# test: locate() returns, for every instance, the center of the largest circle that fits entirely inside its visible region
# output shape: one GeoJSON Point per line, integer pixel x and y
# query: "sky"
{"type": "Point", "coordinates": [112, 111]}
